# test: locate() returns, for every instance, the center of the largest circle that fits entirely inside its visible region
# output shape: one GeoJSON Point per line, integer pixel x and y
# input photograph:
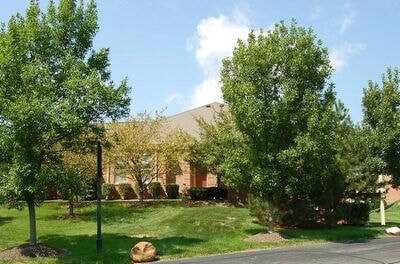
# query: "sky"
{"type": "Point", "coordinates": [171, 50]}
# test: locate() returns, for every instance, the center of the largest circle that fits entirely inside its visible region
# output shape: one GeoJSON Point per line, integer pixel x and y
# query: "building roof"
{"type": "Point", "coordinates": [187, 120]}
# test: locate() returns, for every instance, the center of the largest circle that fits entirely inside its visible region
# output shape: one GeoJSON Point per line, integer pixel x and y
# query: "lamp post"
{"type": "Point", "coordinates": [99, 240]}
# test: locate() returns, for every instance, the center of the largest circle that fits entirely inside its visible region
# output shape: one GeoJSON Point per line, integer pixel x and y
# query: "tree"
{"type": "Point", "coordinates": [222, 150]}
{"type": "Point", "coordinates": [381, 106]}
{"type": "Point", "coordinates": [143, 149]}
{"type": "Point", "coordinates": [53, 88]}
{"type": "Point", "coordinates": [354, 158]}
{"type": "Point", "coordinates": [276, 88]}
{"type": "Point", "coordinates": [75, 171]}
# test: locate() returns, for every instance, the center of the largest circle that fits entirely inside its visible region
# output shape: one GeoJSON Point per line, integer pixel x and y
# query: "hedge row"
{"type": "Point", "coordinates": [207, 193]}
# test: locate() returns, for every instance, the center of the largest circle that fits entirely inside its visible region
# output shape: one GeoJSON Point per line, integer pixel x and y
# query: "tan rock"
{"type": "Point", "coordinates": [393, 231]}
{"type": "Point", "coordinates": [143, 252]}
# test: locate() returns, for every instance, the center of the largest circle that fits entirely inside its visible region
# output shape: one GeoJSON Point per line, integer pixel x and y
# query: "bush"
{"type": "Point", "coordinates": [155, 189]}
{"type": "Point", "coordinates": [107, 189]}
{"type": "Point", "coordinates": [258, 208]}
{"type": "Point", "coordinates": [90, 189]}
{"type": "Point", "coordinates": [124, 189]}
{"type": "Point", "coordinates": [217, 193]}
{"type": "Point", "coordinates": [199, 193]}
{"type": "Point", "coordinates": [172, 190]}
{"type": "Point", "coordinates": [299, 212]}
{"type": "Point", "coordinates": [356, 213]}
{"type": "Point", "coordinates": [204, 193]}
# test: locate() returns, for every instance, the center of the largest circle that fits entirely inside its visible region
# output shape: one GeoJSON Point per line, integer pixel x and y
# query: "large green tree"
{"type": "Point", "coordinates": [53, 88]}
{"type": "Point", "coordinates": [381, 106]}
{"type": "Point", "coordinates": [276, 88]}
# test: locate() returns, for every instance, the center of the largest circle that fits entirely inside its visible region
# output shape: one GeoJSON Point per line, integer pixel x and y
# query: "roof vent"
{"type": "Point", "coordinates": [208, 106]}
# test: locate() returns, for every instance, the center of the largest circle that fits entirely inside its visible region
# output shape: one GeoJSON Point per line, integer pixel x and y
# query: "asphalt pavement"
{"type": "Point", "coordinates": [381, 250]}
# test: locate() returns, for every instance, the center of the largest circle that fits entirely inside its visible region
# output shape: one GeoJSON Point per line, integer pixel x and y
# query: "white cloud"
{"type": "Point", "coordinates": [340, 54]}
{"type": "Point", "coordinates": [206, 92]}
{"type": "Point", "coordinates": [316, 12]}
{"type": "Point", "coordinates": [173, 97]}
{"type": "Point", "coordinates": [214, 40]}
{"type": "Point", "coordinates": [348, 19]}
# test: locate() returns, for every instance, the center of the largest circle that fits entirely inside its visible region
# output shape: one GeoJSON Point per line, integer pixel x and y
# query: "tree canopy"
{"type": "Point", "coordinates": [381, 106]}
{"type": "Point", "coordinates": [276, 88]}
{"type": "Point", "coordinates": [144, 149]}
{"type": "Point", "coordinates": [53, 88]}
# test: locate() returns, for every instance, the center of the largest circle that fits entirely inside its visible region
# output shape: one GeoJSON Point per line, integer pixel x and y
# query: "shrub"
{"type": "Point", "coordinates": [155, 189]}
{"type": "Point", "coordinates": [124, 189]}
{"type": "Point", "coordinates": [172, 190]}
{"type": "Point", "coordinates": [356, 213]}
{"type": "Point", "coordinates": [107, 189]}
{"type": "Point", "coordinates": [199, 193]}
{"type": "Point", "coordinates": [299, 212]}
{"type": "Point", "coordinates": [217, 193]}
{"type": "Point", "coordinates": [90, 189]}
{"type": "Point", "coordinates": [258, 208]}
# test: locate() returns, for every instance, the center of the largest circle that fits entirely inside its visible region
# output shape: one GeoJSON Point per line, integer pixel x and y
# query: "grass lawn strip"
{"type": "Point", "coordinates": [176, 230]}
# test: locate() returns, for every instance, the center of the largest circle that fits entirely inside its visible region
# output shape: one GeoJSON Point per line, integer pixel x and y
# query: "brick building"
{"type": "Point", "coordinates": [187, 176]}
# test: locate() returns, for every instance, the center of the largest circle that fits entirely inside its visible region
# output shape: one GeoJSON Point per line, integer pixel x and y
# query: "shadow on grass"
{"type": "Point", "coordinates": [6, 219]}
{"type": "Point", "coordinates": [336, 234]}
{"type": "Point", "coordinates": [116, 247]}
{"type": "Point", "coordinates": [388, 224]}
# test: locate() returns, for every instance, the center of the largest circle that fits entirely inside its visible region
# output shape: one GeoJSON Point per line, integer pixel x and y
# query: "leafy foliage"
{"type": "Point", "coordinates": [276, 88]}
{"type": "Point", "coordinates": [381, 105]}
{"type": "Point", "coordinates": [107, 189]}
{"type": "Point", "coordinates": [155, 189]}
{"type": "Point", "coordinates": [124, 189]}
{"type": "Point", "coordinates": [53, 88]}
{"type": "Point", "coordinates": [172, 190]}
{"type": "Point", "coordinates": [144, 150]}
{"type": "Point", "coordinates": [355, 213]}
{"type": "Point", "coordinates": [207, 193]}
{"type": "Point", "coordinates": [223, 151]}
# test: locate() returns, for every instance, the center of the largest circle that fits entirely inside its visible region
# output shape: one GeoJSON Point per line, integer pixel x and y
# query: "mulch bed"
{"type": "Point", "coordinates": [266, 237]}
{"type": "Point", "coordinates": [31, 251]}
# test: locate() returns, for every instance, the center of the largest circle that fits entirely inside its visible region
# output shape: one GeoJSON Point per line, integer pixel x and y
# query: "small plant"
{"type": "Point", "coordinates": [258, 208]}
{"type": "Point", "coordinates": [356, 213]}
{"type": "Point", "coordinates": [172, 190]}
{"type": "Point", "coordinates": [217, 193]}
{"type": "Point", "coordinates": [124, 189]}
{"type": "Point", "coordinates": [155, 189]}
{"type": "Point", "coordinates": [107, 189]}
{"type": "Point", "coordinates": [199, 193]}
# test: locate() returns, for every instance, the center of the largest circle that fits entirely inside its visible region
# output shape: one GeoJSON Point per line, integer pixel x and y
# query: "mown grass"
{"type": "Point", "coordinates": [177, 230]}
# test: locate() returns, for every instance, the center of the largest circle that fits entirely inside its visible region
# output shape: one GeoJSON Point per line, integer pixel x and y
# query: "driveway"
{"type": "Point", "coordinates": [381, 250]}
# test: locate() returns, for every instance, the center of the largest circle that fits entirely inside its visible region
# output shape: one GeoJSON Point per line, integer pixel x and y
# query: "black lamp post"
{"type": "Point", "coordinates": [99, 240]}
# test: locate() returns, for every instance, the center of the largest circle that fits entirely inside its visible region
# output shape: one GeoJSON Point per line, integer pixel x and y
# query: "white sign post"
{"type": "Point", "coordinates": [382, 190]}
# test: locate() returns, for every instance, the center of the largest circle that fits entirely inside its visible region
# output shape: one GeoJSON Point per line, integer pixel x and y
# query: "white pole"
{"type": "Point", "coordinates": [382, 201]}
{"type": "Point", "coordinates": [383, 221]}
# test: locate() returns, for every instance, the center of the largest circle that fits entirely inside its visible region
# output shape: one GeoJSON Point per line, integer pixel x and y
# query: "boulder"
{"type": "Point", "coordinates": [393, 231]}
{"type": "Point", "coordinates": [143, 252]}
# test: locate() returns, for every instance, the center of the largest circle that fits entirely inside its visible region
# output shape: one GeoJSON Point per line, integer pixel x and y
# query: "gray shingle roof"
{"type": "Point", "coordinates": [187, 120]}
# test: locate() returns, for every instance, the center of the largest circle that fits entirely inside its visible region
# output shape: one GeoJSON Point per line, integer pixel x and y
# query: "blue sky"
{"type": "Point", "coordinates": [170, 50]}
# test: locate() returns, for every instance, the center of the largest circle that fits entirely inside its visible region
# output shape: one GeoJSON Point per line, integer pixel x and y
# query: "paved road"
{"type": "Point", "coordinates": [383, 250]}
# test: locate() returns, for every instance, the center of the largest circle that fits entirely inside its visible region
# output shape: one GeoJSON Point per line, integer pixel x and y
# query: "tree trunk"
{"type": "Point", "coordinates": [32, 221]}
{"type": "Point", "coordinates": [141, 194]}
{"type": "Point", "coordinates": [71, 207]}
{"type": "Point", "coordinates": [271, 220]}
{"type": "Point", "coordinates": [218, 180]}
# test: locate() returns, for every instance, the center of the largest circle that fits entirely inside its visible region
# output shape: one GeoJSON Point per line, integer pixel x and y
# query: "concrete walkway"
{"type": "Point", "coordinates": [382, 250]}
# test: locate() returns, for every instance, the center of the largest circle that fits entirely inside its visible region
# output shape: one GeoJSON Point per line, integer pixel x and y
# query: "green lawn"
{"type": "Point", "coordinates": [176, 230]}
